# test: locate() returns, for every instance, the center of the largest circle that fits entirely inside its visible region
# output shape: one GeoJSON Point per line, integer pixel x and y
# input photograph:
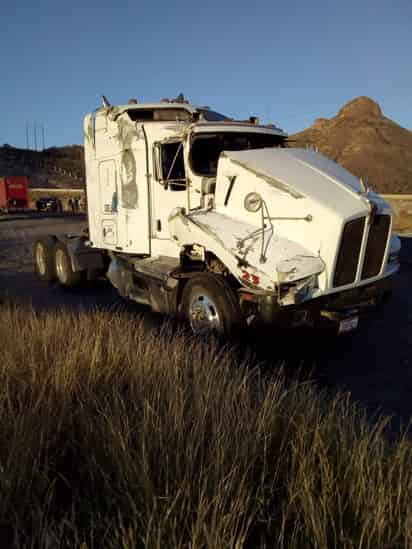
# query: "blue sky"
{"type": "Point", "coordinates": [288, 62]}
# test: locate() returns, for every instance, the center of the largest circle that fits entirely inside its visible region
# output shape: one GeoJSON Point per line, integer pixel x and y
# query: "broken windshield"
{"type": "Point", "coordinates": [206, 148]}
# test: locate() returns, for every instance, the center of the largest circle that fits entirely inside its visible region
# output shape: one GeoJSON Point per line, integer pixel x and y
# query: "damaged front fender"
{"type": "Point", "coordinates": [287, 261]}
{"type": "Point", "coordinates": [299, 267]}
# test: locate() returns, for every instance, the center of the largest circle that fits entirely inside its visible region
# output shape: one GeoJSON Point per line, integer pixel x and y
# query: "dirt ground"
{"type": "Point", "coordinates": [373, 364]}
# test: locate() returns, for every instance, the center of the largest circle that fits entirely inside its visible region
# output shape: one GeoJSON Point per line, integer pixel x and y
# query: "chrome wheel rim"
{"type": "Point", "coordinates": [61, 270]}
{"type": "Point", "coordinates": [41, 259]}
{"type": "Point", "coordinates": [204, 317]}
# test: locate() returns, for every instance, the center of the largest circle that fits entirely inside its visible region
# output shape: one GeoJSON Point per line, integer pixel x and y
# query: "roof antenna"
{"type": "Point", "coordinates": [106, 102]}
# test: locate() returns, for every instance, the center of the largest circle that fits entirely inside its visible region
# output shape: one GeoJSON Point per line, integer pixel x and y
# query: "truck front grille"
{"type": "Point", "coordinates": [348, 257]}
{"type": "Point", "coordinates": [376, 246]}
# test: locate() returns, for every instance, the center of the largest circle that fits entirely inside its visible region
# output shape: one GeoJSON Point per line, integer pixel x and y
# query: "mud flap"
{"type": "Point", "coordinates": [83, 258]}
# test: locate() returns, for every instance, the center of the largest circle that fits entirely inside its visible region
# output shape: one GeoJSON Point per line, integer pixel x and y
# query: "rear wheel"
{"type": "Point", "coordinates": [44, 262]}
{"type": "Point", "coordinates": [63, 265]}
{"type": "Point", "coordinates": [211, 307]}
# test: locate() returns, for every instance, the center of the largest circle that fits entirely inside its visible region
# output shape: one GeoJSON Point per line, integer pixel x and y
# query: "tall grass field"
{"type": "Point", "coordinates": [114, 435]}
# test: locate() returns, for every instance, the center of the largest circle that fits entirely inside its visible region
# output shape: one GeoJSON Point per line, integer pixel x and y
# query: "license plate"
{"type": "Point", "coordinates": [348, 324]}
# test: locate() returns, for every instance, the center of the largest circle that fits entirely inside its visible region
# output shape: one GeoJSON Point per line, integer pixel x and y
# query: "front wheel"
{"type": "Point", "coordinates": [211, 307]}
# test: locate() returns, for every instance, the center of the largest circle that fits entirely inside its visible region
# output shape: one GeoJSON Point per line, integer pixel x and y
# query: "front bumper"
{"type": "Point", "coordinates": [331, 308]}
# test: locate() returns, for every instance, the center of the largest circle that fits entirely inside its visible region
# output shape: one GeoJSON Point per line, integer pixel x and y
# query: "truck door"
{"type": "Point", "coordinates": [108, 194]}
{"type": "Point", "coordinates": [169, 186]}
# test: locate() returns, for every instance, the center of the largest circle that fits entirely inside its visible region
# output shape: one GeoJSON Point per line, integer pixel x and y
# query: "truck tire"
{"type": "Point", "coordinates": [211, 307]}
{"type": "Point", "coordinates": [44, 262]}
{"type": "Point", "coordinates": [63, 265]}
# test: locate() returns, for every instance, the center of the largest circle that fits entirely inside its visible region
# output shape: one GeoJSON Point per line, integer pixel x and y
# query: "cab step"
{"type": "Point", "coordinates": [161, 267]}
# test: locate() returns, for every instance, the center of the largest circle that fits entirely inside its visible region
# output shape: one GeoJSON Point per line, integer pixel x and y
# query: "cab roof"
{"type": "Point", "coordinates": [200, 115]}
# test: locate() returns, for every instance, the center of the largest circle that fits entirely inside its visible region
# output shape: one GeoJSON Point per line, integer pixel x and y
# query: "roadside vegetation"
{"type": "Point", "coordinates": [403, 214]}
{"type": "Point", "coordinates": [113, 435]}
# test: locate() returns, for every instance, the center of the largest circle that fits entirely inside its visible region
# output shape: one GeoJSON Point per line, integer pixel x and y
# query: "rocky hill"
{"type": "Point", "coordinates": [61, 167]}
{"type": "Point", "coordinates": [367, 143]}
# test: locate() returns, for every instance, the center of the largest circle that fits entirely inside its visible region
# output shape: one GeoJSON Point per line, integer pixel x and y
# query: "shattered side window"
{"type": "Point", "coordinates": [173, 166]}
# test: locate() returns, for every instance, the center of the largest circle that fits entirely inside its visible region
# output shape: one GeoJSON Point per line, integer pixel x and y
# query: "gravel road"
{"type": "Point", "coordinates": [17, 278]}
{"type": "Point", "coordinates": [374, 364]}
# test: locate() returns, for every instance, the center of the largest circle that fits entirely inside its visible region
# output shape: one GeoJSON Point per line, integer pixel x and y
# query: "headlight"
{"type": "Point", "coordinates": [253, 202]}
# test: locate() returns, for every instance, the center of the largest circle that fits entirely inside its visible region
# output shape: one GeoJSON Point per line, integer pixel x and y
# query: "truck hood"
{"type": "Point", "coordinates": [298, 171]}
{"type": "Point", "coordinates": [299, 178]}
{"type": "Point", "coordinates": [307, 197]}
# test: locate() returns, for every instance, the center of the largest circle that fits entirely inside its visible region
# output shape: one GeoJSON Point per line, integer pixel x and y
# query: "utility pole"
{"type": "Point", "coordinates": [42, 131]}
{"type": "Point", "coordinates": [27, 136]}
{"type": "Point", "coordinates": [35, 136]}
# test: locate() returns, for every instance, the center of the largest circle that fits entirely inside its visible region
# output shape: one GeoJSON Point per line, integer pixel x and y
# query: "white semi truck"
{"type": "Point", "coordinates": [222, 223]}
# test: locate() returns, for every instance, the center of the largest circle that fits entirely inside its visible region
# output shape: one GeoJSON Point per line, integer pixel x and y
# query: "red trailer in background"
{"type": "Point", "coordinates": [14, 192]}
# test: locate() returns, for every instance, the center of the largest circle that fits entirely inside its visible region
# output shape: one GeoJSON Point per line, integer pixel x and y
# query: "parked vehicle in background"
{"type": "Point", "coordinates": [14, 193]}
{"type": "Point", "coordinates": [47, 204]}
{"type": "Point", "coordinates": [220, 222]}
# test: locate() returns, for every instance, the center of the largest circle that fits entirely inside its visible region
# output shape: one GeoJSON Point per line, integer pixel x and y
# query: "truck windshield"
{"type": "Point", "coordinates": [206, 148]}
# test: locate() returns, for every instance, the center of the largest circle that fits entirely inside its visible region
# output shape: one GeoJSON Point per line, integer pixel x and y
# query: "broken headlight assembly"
{"type": "Point", "coordinates": [297, 292]}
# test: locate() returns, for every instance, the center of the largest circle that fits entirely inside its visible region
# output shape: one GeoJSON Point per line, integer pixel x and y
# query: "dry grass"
{"type": "Point", "coordinates": [113, 436]}
{"type": "Point", "coordinates": [403, 219]}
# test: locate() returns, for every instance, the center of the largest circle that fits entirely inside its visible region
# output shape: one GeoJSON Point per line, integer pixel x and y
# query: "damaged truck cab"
{"type": "Point", "coordinates": [222, 223]}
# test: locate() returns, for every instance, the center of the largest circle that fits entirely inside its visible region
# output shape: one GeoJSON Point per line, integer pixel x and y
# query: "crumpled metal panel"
{"type": "Point", "coordinates": [231, 242]}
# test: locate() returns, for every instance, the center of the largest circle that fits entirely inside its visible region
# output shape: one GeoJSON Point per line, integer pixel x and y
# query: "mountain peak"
{"type": "Point", "coordinates": [361, 107]}
{"type": "Point", "coordinates": [365, 142]}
